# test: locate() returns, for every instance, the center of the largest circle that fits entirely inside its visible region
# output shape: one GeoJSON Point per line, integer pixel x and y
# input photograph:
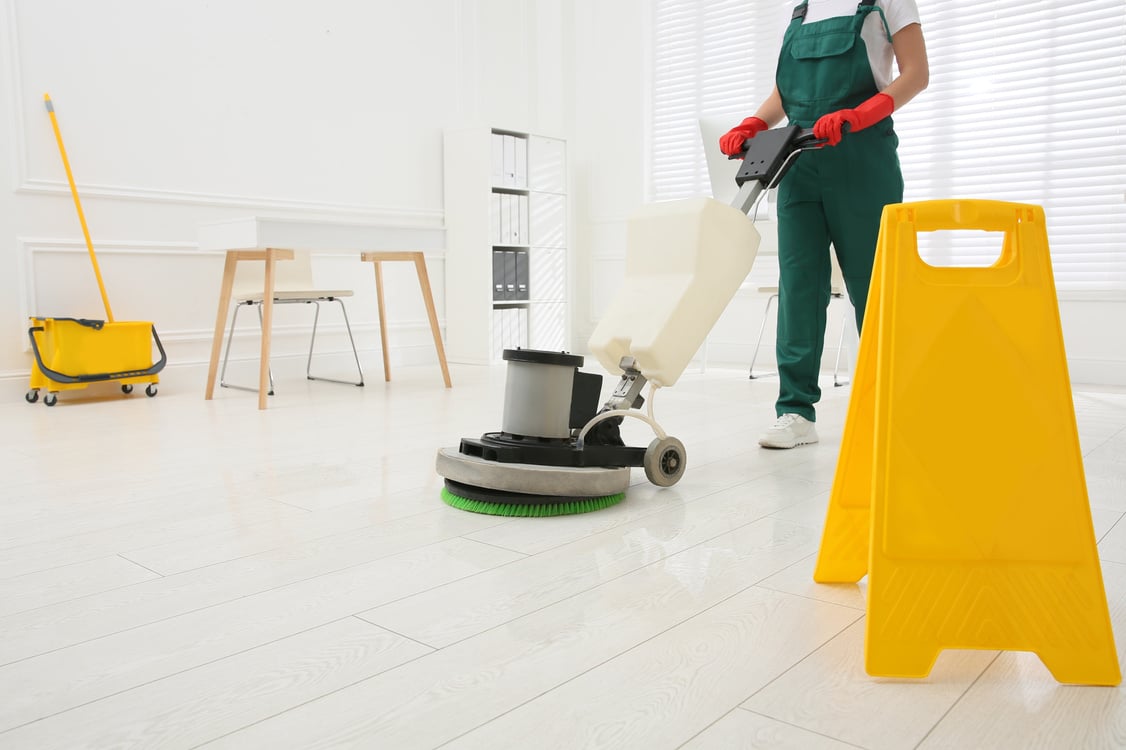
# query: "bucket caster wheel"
{"type": "Point", "coordinates": [31, 396]}
{"type": "Point", "coordinates": [127, 388]}
{"type": "Point", "coordinates": [51, 399]}
{"type": "Point", "coordinates": [665, 461]}
{"type": "Point", "coordinates": [150, 390]}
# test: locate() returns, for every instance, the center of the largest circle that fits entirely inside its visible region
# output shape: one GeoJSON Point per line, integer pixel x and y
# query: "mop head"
{"type": "Point", "coordinates": [500, 503]}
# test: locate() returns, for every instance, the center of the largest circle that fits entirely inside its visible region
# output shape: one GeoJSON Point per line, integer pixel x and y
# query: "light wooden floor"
{"type": "Point", "coordinates": [177, 573]}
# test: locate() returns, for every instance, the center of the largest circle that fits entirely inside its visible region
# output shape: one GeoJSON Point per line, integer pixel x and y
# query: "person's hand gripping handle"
{"type": "Point", "coordinates": [732, 142]}
{"type": "Point", "coordinates": [832, 126]}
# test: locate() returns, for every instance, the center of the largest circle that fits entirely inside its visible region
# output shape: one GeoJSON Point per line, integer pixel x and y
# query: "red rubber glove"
{"type": "Point", "coordinates": [830, 126]}
{"type": "Point", "coordinates": [731, 142]}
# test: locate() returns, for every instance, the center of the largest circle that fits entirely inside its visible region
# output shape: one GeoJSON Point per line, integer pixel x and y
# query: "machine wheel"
{"type": "Point", "coordinates": [127, 388]}
{"type": "Point", "coordinates": [150, 390]}
{"type": "Point", "coordinates": [32, 396]}
{"type": "Point", "coordinates": [665, 461]}
{"type": "Point", "coordinates": [51, 399]}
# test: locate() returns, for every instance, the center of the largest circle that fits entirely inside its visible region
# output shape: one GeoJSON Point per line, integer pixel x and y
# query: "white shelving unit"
{"type": "Point", "coordinates": [506, 243]}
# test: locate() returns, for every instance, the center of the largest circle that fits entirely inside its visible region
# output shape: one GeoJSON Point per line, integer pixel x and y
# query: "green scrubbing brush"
{"type": "Point", "coordinates": [498, 503]}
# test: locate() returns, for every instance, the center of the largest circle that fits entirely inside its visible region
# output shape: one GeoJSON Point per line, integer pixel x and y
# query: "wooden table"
{"type": "Point", "coordinates": [272, 239]}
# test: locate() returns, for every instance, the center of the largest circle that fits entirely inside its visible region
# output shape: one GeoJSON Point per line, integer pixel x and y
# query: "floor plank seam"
{"type": "Point", "coordinates": [314, 699]}
{"type": "Point", "coordinates": [526, 555]}
{"type": "Point", "coordinates": [804, 729]}
{"type": "Point", "coordinates": [813, 651]}
{"type": "Point", "coordinates": [705, 729]}
{"type": "Point", "coordinates": [308, 511]}
{"type": "Point", "coordinates": [226, 601]}
{"type": "Point", "coordinates": [450, 582]}
{"type": "Point", "coordinates": [321, 539]}
{"type": "Point", "coordinates": [82, 596]}
{"type": "Point", "coordinates": [60, 541]}
{"type": "Point", "coordinates": [1108, 531]}
{"type": "Point", "coordinates": [185, 670]}
{"type": "Point", "coordinates": [648, 564]}
{"type": "Point", "coordinates": [405, 637]}
{"type": "Point", "coordinates": [959, 699]}
{"type": "Point", "coordinates": [139, 565]}
{"type": "Point", "coordinates": [761, 584]}
{"type": "Point", "coordinates": [632, 648]}
{"type": "Point", "coordinates": [663, 509]}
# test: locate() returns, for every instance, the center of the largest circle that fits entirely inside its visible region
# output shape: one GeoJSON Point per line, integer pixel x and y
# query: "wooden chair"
{"type": "Point", "coordinates": [293, 285]}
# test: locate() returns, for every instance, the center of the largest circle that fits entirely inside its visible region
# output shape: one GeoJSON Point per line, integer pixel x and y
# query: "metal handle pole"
{"type": "Point", "coordinates": [78, 206]}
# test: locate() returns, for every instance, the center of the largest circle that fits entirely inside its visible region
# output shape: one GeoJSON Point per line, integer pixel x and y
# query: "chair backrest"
{"type": "Point", "coordinates": [289, 275]}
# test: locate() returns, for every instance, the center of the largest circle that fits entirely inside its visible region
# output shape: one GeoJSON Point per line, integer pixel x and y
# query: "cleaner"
{"type": "Point", "coordinates": [557, 452]}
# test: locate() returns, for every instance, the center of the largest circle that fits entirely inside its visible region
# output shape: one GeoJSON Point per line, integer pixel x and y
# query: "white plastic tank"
{"type": "Point", "coordinates": [684, 262]}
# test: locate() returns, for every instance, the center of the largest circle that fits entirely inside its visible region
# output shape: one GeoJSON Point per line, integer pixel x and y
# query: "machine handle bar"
{"type": "Point", "coordinates": [804, 141]}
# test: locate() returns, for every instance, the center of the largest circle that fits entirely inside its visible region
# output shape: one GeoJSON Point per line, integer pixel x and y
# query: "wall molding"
{"type": "Point", "coordinates": [399, 217]}
{"type": "Point", "coordinates": [28, 248]}
{"type": "Point", "coordinates": [55, 245]}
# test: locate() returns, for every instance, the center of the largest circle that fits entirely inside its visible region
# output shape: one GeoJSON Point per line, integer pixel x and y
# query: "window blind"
{"type": "Point", "coordinates": [711, 58]}
{"type": "Point", "coordinates": [1027, 103]}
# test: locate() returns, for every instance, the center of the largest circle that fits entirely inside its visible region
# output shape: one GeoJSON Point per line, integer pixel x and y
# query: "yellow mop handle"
{"type": "Point", "coordinates": [78, 206]}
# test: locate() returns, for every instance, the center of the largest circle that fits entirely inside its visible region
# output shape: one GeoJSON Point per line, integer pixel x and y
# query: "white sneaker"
{"type": "Point", "coordinates": [789, 431]}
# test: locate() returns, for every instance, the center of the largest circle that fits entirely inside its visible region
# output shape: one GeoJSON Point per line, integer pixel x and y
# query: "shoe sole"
{"type": "Point", "coordinates": [766, 443]}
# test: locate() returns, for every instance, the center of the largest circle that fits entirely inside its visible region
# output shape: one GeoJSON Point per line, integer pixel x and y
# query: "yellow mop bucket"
{"type": "Point", "coordinates": [74, 352]}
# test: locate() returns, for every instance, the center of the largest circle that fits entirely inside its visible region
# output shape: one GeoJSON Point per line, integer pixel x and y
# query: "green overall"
{"type": "Point", "coordinates": [835, 194]}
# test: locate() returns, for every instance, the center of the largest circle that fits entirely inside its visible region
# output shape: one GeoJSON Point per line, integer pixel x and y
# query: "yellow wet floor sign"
{"type": "Point", "coordinates": [960, 488]}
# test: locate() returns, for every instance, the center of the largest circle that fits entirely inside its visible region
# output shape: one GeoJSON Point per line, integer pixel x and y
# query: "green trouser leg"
{"type": "Point", "coordinates": [803, 287]}
{"type": "Point", "coordinates": [832, 196]}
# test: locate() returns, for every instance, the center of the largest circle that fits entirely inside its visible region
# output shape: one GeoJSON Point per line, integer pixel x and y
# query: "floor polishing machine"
{"type": "Point", "coordinates": [557, 451]}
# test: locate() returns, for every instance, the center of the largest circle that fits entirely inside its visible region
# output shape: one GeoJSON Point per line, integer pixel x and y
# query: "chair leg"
{"type": "Point", "coordinates": [313, 340]}
{"type": "Point", "coordinates": [837, 382]}
{"type": "Point", "coordinates": [355, 354]}
{"type": "Point", "coordinates": [227, 351]}
{"type": "Point", "coordinates": [761, 330]}
{"type": "Point", "coordinates": [226, 355]}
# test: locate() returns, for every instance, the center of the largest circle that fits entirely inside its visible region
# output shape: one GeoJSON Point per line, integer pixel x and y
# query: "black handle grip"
{"type": "Point", "coordinates": [805, 140]}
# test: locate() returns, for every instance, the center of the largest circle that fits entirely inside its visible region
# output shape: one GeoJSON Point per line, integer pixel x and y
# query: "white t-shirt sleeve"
{"type": "Point", "coordinates": [900, 13]}
{"type": "Point", "coordinates": [881, 56]}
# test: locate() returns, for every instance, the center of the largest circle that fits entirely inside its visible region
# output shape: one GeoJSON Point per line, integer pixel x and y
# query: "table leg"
{"type": "Point", "coordinates": [267, 327]}
{"type": "Point", "coordinates": [220, 321]}
{"type": "Point", "coordinates": [382, 320]}
{"type": "Point", "coordinates": [424, 282]}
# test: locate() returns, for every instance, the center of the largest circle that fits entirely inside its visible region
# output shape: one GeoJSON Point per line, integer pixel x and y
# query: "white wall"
{"type": "Point", "coordinates": [179, 113]}
{"type": "Point", "coordinates": [609, 146]}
